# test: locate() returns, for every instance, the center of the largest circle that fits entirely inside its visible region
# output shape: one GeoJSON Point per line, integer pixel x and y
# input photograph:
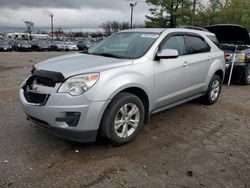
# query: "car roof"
{"type": "Point", "coordinates": [162, 30]}
{"type": "Point", "coordinates": [146, 30]}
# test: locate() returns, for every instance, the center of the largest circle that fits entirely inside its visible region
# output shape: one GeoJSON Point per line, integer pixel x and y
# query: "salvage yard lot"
{"type": "Point", "coordinates": [188, 146]}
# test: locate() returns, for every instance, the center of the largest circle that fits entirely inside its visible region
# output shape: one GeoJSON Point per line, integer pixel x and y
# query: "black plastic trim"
{"type": "Point", "coordinates": [88, 136]}
{"type": "Point", "coordinates": [71, 118]}
{"type": "Point", "coordinates": [56, 77]}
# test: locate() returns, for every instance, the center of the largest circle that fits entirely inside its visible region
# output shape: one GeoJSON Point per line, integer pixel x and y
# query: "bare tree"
{"type": "Point", "coordinates": [59, 32]}
{"type": "Point", "coordinates": [107, 28]}
{"type": "Point", "coordinates": [110, 27]}
{"type": "Point", "coordinates": [29, 26]}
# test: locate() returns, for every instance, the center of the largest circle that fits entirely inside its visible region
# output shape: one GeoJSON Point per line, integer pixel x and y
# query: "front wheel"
{"type": "Point", "coordinates": [213, 91]}
{"type": "Point", "coordinates": [123, 119]}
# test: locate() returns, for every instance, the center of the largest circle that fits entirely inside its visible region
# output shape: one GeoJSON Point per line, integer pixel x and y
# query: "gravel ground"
{"type": "Point", "coordinates": [188, 146]}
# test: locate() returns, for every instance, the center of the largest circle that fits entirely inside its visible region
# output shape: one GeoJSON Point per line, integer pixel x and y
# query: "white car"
{"type": "Point", "coordinates": [71, 46]}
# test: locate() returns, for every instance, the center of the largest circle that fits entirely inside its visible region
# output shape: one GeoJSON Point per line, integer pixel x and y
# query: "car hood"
{"type": "Point", "coordinates": [227, 33]}
{"type": "Point", "coordinates": [79, 63]}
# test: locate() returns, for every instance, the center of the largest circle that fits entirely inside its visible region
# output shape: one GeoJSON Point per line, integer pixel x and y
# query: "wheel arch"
{"type": "Point", "coordinates": [137, 91]}
{"type": "Point", "coordinates": [220, 73]}
{"type": "Point", "coordinates": [143, 96]}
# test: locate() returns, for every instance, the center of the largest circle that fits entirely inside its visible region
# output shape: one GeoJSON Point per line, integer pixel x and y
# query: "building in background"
{"type": "Point", "coordinates": [26, 36]}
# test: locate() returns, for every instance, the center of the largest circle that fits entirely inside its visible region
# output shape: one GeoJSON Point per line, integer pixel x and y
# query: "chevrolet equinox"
{"type": "Point", "coordinates": [114, 87]}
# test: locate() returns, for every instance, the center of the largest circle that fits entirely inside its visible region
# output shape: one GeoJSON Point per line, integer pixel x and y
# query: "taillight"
{"type": "Point", "coordinates": [225, 56]}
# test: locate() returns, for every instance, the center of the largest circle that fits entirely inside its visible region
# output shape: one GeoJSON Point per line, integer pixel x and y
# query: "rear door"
{"type": "Point", "coordinates": [199, 61]}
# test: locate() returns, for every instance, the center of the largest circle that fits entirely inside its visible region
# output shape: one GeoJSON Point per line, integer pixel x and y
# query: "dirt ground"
{"type": "Point", "coordinates": [188, 146]}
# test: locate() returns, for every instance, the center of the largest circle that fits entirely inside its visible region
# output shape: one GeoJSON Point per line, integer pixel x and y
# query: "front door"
{"type": "Point", "coordinates": [172, 79]}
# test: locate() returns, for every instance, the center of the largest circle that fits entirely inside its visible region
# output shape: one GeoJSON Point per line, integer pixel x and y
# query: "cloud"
{"type": "Point", "coordinates": [69, 4]}
{"type": "Point", "coordinates": [68, 13]}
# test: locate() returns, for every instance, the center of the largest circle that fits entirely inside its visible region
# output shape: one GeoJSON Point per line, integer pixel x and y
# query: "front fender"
{"type": "Point", "coordinates": [114, 81]}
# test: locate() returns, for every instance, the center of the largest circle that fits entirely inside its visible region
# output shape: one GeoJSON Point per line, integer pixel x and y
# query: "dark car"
{"type": "Point", "coordinates": [234, 38]}
{"type": "Point", "coordinates": [40, 45]}
{"type": "Point", "coordinates": [5, 46]}
{"type": "Point", "coordinates": [21, 45]}
{"type": "Point", "coordinates": [84, 45]}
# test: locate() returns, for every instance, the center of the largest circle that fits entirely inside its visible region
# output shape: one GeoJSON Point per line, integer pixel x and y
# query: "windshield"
{"type": "Point", "coordinates": [42, 42]}
{"type": "Point", "coordinates": [71, 43]}
{"type": "Point", "coordinates": [127, 45]}
{"type": "Point", "coordinates": [23, 42]}
{"type": "Point", "coordinates": [232, 46]}
{"type": "Point", "coordinates": [84, 42]}
{"type": "Point", "coordinates": [59, 42]}
{"type": "Point", "coordinates": [4, 43]}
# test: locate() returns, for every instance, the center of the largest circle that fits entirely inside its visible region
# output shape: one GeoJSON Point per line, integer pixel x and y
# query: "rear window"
{"type": "Point", "coordinates": [197, 44]}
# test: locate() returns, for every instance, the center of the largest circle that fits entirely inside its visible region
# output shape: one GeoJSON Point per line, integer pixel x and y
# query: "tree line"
{"type": "Point", "coordinates": [171, 13]}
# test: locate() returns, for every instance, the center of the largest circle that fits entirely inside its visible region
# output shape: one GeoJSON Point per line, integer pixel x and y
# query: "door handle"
{"type": "Point", "coordinates": [185, 64]}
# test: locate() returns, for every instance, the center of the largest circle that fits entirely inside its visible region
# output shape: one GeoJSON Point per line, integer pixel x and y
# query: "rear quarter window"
{"type": "Point", "coordinates": [215, 41]}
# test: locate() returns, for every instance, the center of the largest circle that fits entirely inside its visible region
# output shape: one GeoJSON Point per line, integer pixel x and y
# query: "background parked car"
{"type": "Point", "coordinates": [5, 46]}
{"type": "Point", "coordinates": [231, 37]}
{"type": "Point", "coordinates": [84, 45]}
{"type": "Point", "coordinates": [57, 46]}
{"type": "Point", "coordinates": [71, 46]}
{"type": "Point", "coordinates": [21, 45]}
{"type": "Point", "coordinates": [40, 45]}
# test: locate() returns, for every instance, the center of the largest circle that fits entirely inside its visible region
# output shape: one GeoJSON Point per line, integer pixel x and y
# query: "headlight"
{"type": "Point", "coordinates": [77, 85]}
{"type": "Point", "coordinates": [248, 56]}
{"type": "Point", "coordinates": [240, 58]}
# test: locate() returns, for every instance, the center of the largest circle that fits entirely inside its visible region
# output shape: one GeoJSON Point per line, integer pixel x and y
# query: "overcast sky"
{"type": "Point", "coordinates": [68, 13]}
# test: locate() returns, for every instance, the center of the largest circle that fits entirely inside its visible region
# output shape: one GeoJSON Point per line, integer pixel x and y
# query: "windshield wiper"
{"type": "Point", "coordinates": [107, 55]}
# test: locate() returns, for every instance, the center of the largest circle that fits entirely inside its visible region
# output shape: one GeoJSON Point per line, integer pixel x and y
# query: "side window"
{"type": "Point", "coordinates": [175, 43]}
{"type": "Point", "coordinates": [197, 45]}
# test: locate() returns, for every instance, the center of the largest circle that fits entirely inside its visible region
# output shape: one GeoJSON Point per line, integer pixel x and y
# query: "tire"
{"type": "Point", "coordinates": [246, 77]}
{"type": "Point", "coordinates": [116, 111]}
{"type": "Point", "coordinates": [213, 91]}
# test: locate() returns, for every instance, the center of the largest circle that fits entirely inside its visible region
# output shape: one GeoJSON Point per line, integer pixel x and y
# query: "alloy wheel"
{"type": "Point", "coordinates": [215, 91]}
{"type": "Point", "coordinates": [127, 120]}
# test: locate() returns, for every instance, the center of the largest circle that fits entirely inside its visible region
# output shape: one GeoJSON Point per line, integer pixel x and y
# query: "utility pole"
{"type": "Point", "coordinates": [29, 26]}
{"type": "Point", "coordinates": [132, 5]}
{"type": "Point", "coordinates": [52, 25]}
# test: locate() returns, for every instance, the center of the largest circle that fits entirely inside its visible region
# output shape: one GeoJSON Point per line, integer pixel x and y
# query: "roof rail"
{"type": "Point", "coordinates": [192, 27]}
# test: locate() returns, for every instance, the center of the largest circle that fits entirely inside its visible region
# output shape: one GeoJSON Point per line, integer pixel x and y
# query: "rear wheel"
{"type": "Point", "coordinates": [246, 78]}
{"type": "Point", "coordinates": [213, 91]}
{"type": "Point", "coordinates": [123, 119]}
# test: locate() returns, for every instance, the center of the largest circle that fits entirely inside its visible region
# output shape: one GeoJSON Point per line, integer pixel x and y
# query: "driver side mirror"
{"type": "Point", "coordinates": [167, 54]}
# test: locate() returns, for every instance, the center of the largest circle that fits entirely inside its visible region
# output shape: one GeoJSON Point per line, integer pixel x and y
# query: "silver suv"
{"type": "Point", "coordinates": [115, 87]}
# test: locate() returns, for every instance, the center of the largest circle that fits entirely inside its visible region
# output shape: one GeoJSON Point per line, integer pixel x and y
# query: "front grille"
{"type": "Point", "coordinates": [36, 98]}
{"type": "Point", "coordinates": [45, 81]}
{"type": "Point", "coordinates": [37, 79]}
